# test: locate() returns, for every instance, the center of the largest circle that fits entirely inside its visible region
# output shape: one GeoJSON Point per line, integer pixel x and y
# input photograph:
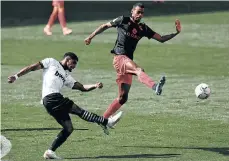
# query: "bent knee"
{"type": "Point", "coordinates": [139, 70]}
{"type": "Point", "coordinates": [69, 130]}
{"type": "Point", "coordinates": [123, 98]}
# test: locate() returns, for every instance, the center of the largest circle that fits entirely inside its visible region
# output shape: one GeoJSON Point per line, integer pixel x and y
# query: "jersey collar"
{"type": "Point", "coordinates": [64, 67]}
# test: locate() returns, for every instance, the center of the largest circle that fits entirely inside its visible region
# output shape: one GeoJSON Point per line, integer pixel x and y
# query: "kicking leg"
{"type": "Point", "coordinates": [87, 116]}
{"type": "Point", "coordinates": [91, 117]}
{"type": "Point", "coordinates": [132, 68]}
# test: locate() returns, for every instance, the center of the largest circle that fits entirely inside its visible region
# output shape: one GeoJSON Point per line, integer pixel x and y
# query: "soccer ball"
{"type": "Point", "coordinates": [202, 91]}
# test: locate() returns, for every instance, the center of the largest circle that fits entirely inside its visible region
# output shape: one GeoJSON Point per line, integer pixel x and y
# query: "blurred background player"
{"type": "Point", "coordinates": [130, 31]}
{"type": "Point", "coordinates": [58, 11]}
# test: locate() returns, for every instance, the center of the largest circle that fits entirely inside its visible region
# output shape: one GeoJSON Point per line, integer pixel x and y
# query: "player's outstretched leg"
{"type": "Point", "coordinates": [91, 117]}
{"type": "Point", "coordinates": [144, 78]}
{"type": "Point", "coordinates": [131, 67]}
{"type": "Point", "coordinates": [157, 87]}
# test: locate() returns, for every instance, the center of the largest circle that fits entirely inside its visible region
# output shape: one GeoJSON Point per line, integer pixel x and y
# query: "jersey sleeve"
{"type": "Point", "coordinates": [148, 32]}
{"type": "Point", "coordinates": [69, 81]}
{"type": "Point", "coordinates": [45, 63]}
{"type": "Point", "coordinates": [117, 21]}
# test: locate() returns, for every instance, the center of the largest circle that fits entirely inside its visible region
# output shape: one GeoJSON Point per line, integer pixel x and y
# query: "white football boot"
{"type": "Point", "coordinates": [49, 154]}
{"type": "Point", "coordinates": [112, 121]}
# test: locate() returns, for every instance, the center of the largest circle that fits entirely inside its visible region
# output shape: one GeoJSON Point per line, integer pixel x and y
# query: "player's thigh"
{"type": "Point", "coordinates": [76, 110]}
{"type": "Point", "coordinates": [124, 79]}
{"type": "Point", "coordinates": [132, 68]}
{"type": "Point", "coordinates": [119, 63]}
{"type": "Point", "coordinates": [63, 118]}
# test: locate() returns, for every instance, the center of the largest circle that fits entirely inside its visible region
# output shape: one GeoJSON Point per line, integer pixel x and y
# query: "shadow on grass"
{"type": "Point", "coordinates": [37, 129]}
{"type": "Point", "coordinates": [221, 150]}
{"type": "Point", "coordinates": [129, 156]}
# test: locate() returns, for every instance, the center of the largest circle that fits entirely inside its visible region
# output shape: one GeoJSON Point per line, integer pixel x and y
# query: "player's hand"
{"type": "Point", "coordinates": [178, 25]}
{"type": "Point", "coordinates": [99, 85]}
{"type": "Point", "coordinates": [87, 41]}
{"type": "Point", "coordinates": [11, 79]}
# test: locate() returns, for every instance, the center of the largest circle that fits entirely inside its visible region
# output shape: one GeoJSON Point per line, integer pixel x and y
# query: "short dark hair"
{"type": "Point", "coordinates": [139, 5]}
{"type": "Point", "coordinates": [71, 55]}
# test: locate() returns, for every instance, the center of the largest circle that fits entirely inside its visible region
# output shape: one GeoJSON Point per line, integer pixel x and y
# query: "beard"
{"type": "Point", "coordinates": [67, 68]}
{"type": "Point", "coordinates": [137, 20]}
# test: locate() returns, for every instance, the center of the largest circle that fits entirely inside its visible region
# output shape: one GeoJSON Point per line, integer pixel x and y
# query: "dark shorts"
{"type": "Point", "coordinates": [58, 106]}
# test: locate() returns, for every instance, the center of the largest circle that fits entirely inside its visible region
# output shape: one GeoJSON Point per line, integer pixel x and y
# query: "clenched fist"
{"type": "Point", "coordinates": [87, 41]}
{"type": "Point", "coordinates": [99, 85]}
{"type": "Point", "coordinates": [11, 79]}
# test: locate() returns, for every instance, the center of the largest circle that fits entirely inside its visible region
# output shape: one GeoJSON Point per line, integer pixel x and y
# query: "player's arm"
{"type": "Point", "coordinates": [99, 30]}
{"type": "Point", "coordinates": [86, 88]}
{"type": "Point", "coordinates": [102, 28]}
{"type": "Point", "coordinates": [25, 70]}
{"type": "Point", "coordinates": [165, 38]}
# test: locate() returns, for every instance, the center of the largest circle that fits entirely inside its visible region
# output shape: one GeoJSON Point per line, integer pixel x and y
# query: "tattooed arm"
{"type": "Point", "coordinates": [114, 23]}
{"type": "Point", "coordinates": [165, 38]}
{"type": "Point", "coordinates": [99, 30]}
{"type": "Point", "coordinates": [152, 34]}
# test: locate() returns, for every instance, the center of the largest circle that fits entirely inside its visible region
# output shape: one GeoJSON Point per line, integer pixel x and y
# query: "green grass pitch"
{"type": "Point", "coordinates": [173, 127]}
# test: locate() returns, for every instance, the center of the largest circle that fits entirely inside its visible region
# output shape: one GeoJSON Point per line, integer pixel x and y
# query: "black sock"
{"type": "Point", "coordinates": [91, 117]}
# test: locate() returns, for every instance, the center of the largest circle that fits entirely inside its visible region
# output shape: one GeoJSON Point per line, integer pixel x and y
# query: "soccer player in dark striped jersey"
{"type": "Point", "coordinates": [130, 31]}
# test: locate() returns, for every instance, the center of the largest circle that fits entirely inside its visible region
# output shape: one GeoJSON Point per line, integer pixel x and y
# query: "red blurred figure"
{"type": "Point", "coordinates": [159, 1]}
{"type": "Point", "coordinates": [58, 11]}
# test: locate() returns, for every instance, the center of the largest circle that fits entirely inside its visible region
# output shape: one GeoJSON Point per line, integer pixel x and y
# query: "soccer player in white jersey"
{"type": "Point", "coordinates": [55, 77]}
